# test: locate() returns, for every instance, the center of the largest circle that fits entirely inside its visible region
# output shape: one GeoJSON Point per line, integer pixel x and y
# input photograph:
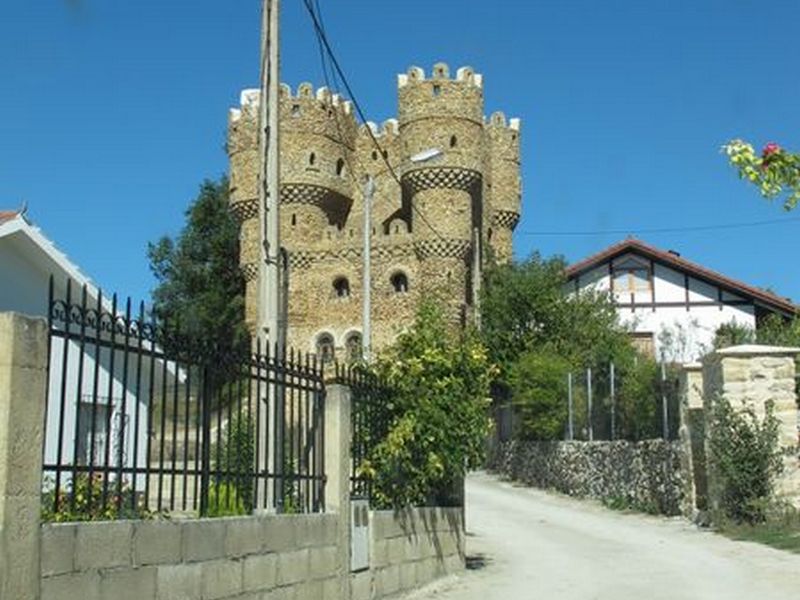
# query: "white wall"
{"type": "Point", "coordinates": [695, 327]}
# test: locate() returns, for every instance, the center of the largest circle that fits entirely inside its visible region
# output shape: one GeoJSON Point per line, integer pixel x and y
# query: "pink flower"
{"type": "Point", "coordinates": [770, 149]}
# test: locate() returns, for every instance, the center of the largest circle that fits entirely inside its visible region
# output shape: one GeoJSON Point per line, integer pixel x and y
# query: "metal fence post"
{"type": "Point", "coordinates": [589, 403]}
{"type": "Point", "coordinates": [664, 408]}
{"type": "Point", "coordinates": [570, 410]}
{"type": "Point", "coordinates": [612, 377]}
{"type": "Point", "coordinates": [205, 445]}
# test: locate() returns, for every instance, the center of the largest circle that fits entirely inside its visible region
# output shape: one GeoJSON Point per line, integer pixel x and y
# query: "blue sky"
{"type": "Point", "coordinates": [111, 113]}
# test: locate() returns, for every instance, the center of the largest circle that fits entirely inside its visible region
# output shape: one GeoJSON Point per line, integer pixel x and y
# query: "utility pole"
{"type": "Point", "coordinates": [271, 417]}
{"type": "Point", "coordinates": [269, 273]}
{"type": "Point", "coordinates": [366, 326]}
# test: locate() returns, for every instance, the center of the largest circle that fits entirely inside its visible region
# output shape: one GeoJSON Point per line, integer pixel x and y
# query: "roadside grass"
{"type": "Point", "coordinates": [780, 530]}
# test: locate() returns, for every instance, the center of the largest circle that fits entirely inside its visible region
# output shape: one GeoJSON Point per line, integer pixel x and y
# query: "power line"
{"type": "Point", "coordinates": [316, 18]}
{"type": "Point", "coordinates": [668, 229]}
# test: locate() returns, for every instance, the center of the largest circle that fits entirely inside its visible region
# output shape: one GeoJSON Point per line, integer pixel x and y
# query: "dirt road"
{"type": "Point", "coordinates": [525, 544]}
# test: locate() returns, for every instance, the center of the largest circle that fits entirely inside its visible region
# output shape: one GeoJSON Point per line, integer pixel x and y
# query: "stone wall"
{"type": "Point", "coordinates": [644, 475]}
{"type": "Point", "coordinates": [410, 548]}
{"type": "Point", "coordinates": [236, 557]}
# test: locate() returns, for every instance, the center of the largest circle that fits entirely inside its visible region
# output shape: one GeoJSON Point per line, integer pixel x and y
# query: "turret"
{"type": "Point", "coordinates": [445, 114]}
{"type": "Point", "coordinates": [504, 188]}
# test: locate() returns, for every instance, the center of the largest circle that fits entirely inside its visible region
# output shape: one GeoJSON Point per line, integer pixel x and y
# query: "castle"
{"type": "Point", "coordinates": [432, 232]}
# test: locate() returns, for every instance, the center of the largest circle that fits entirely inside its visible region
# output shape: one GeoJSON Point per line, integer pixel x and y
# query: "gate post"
{"type": "Point", "coordinates": [338, 438]}
{"type": "Point", "coordinates": [23, 394]}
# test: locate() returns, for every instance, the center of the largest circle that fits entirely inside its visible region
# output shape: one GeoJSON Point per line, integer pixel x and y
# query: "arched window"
{"type": "Point", "coordinates": [340, 167]}
{"type": "Point", "coordinates": [453, 141]}
{"type": "Point", "coordinates": [399, 282]}
{"type": "Point", "coordinates": [353, 347]}
{"type": "Point", "coordinates": [325, 349]}
{"type": "Point", "coordinates": [341, 287]}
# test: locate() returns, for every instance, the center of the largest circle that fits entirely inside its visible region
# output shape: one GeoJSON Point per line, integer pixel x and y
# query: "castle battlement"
{"type": "Point", "coordinates": [429, 232]}
{"type": "Point", "coordinates": [440, 72]}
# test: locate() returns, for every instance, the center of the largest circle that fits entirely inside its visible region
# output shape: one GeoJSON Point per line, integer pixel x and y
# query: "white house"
{"type": "Point", "coordinates": [93, 398]}
{"type": "Point", "coordinates": [672, 305]}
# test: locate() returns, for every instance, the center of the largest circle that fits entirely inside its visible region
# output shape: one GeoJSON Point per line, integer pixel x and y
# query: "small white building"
{"type": "Point", "coordinates": [672, 306]}
{"type": "Point", "coordinates": [95, 397]}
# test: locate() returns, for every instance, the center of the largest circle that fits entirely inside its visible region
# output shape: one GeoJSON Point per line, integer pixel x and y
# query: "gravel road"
{"type": "Point", "coordinates": [527, 544]}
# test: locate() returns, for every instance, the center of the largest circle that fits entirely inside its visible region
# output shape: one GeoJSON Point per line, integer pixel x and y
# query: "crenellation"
{"type": "Point", "coordinates": [423, 229]}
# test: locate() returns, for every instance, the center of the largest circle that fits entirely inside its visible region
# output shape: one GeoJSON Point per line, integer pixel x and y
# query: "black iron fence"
{"type": "Point", "coordinates": [140, 420]}
{"type": "Point", "coordinates": [371, 410]}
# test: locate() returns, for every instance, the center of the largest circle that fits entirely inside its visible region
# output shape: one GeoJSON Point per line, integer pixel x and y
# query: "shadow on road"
{"type": "Point", "coordinates": [476, 562]}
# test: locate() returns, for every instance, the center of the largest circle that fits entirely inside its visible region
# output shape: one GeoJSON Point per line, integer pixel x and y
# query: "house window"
{"type": "Point", "coordinates": [644, 343]}
{"type": "Point", "coordinates": [399, 282]}
{"type": "Point", "coordinates": [341, 287]}
{"type": "Point", "coordinates": [353, 347]}
{"type": "Point", "coordinates": [631, 277]}
{"type": "Point", "coordinates": [325, 348]}
{"type": "Point", "coordinates": [94, 435]}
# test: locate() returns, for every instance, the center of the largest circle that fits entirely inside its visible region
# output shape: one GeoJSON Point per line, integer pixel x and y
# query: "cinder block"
{"type": "Point", "coordinates": [260, 572]}
{"type": "Point", "coordinates": [72, 586]}
{"type": "Point", "coordinates": [284, 593]}
{"type": "Point", "coordinates": [330, 524]}
{"type": "Point", "coordinates": [397, 550]}
{"type": "Point", "coordinates": [58, 548]}
{"type": "Point", "coordinates": [361, 586]}
{"type": "Point", "coordinates": [387, 581]}
{"type": "Point", "coordinates": [324, 562]}
{"type": "Point", "coordinates": [309, 589]}
{"type": "Point", "coordinates": [379, 553]}
{"type": "Point", "coordinates": [128, 584]}
{"type": "Point", "coordinates": [408, 576]}
{"type": "Point", "coordinates": [331, 589]}
{"type": "Point", "coordinates": [221, 578]}
{"type": "Point", "coordinates": [203, 539]}
{"type": "Point", "coordinates": [156, 542]}
{"type": "Point", "coordinates": [292, 567]}
{"type": "Point", "coordinates": [280, 533]}
{"type": "Point", "coordinates": [244, 536]}
{"type": "Point", "coordinates": [454, 563]}
{"type": "Point", "coordinates": [424, 570]}
{"type": "Point", "coordinates": [103, 545]}
{"type": "Point", "coordinates": [179, 582]}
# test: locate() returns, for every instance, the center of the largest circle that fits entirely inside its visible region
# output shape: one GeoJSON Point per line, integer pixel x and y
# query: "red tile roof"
{"type": "Point", "coordinates": [672, 259]}
{"type": "Point", "coordinates": [7, 215]}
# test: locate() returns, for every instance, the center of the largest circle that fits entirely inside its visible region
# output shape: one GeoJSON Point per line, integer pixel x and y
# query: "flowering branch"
{"type": "Point", "coordinates": [776, 172]}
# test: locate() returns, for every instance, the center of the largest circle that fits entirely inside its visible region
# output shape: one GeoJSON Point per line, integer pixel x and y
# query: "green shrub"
{"type": "Point", "coordinates": [745, 460]}
{"type": "Point", "coordinates": [539, 390]}
{"type": "Point", "coordinates": [235, 456]}
{"type": "Point", "coordinates": [79, 501]}
{"type": "Point", "coordinates": [225, 500]}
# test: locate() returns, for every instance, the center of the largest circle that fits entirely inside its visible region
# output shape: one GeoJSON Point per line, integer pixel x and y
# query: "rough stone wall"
{"type": "Point", "coordinates": [645, 475]}
{"type": "Point", "coordinates": [410, 548]}
{"type": "Point", "coordinates": [192, 559]}
{"type": "Point", "coordinates": [325, 156]}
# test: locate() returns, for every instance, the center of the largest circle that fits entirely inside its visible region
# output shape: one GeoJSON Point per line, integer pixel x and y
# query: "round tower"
{"type": "Point", "coordinates": [318, 137]}
{"type": "Point", "coordinates": [445, 114]}
{"type": "Point", "coordinates": [505, 188]}
{"type": "Point", "coordinates": [243, 154]}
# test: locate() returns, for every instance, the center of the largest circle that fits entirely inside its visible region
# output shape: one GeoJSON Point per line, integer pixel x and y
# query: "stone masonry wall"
{"type": "Point", "coordinates": [410, 548]}
{"type": "Point", "coordinates": [646, 475]}
{"type": "Point", "coordinates": [237, 557]}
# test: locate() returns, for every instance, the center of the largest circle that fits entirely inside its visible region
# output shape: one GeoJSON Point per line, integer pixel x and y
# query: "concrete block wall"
{"type": "Point", "coordinates": [281, 556]}
{"type": "Point", "coordinates": [410, 548]}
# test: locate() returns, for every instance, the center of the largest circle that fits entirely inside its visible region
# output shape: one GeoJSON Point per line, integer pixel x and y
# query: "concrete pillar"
{"type": "Point", "coordinates": [23, 385]}
{"type": "Point", "coordinates": [691, 434]}
{"type": "Point", "coordinates": [749, 376]}
{"type": "Point", "coordinates": [338, 438]}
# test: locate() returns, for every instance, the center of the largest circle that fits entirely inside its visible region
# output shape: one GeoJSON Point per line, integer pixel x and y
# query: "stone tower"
{"type": "Point", "coordinates": [431, 233]}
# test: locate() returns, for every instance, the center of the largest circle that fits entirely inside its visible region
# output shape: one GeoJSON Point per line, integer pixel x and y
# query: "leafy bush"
{"type": "Point", "coordinates": [539, 389]}
{"type": "Point", "coordinates": [438, 416]}
{"type": "Point", "coordinates": [733, 334]}
{"type": "Point", "coordinates": [80, 501]}
{"type": "Point", "coordinates": [745, 460]}
{"type": "Point", "coordinates": [225, 500]}
{"type": "Point", "coordinates": [235, 456]}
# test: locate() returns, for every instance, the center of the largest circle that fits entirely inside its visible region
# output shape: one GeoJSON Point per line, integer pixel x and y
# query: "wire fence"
{"type": "Point", "coordinates": [601, 404]}
{"type": "Point", "coordinates": [142, 421]}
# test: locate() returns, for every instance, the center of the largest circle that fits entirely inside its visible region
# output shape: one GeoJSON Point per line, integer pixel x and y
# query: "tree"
{"type": "Point", "coordinates": [438, 413]}
{"type": "Point", "coordinates": [525, 307]}
{"type": "Point", "coordinates": [539, 387]}
{"type": "Point", "coordinates": [200, 290]}
{"type": "Point", "coordinates": [776, 172]}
